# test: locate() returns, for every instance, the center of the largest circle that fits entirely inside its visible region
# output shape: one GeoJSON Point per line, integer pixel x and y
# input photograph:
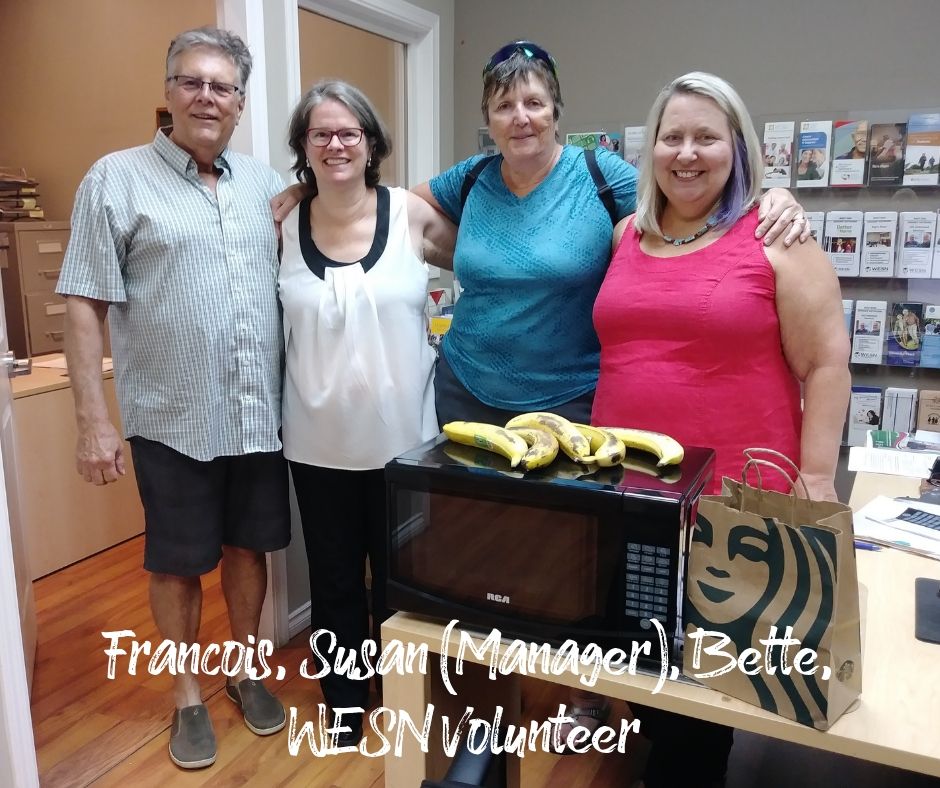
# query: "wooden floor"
{"type": "Point", "coordinates": [93, 730]}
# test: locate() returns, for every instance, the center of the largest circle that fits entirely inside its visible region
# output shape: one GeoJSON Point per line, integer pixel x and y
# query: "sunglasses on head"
{"type": "Point", "coordinates": [526, 48]}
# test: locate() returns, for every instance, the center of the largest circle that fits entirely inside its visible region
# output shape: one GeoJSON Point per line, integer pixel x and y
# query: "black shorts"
{"type": "Point", "coordinates": [192, 508]}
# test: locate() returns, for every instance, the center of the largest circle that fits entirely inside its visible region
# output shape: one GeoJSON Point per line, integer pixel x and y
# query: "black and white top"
{"type": "Point", "coordinates": [358, 386]}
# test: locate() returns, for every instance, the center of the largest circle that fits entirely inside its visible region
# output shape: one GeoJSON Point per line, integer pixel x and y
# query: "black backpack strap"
{"type": "Point", "coordinates": [471, 178]}
{"type": "Point", "coordinates": [604, 192]}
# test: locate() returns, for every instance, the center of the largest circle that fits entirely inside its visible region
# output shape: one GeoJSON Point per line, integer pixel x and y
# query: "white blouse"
{"type": "Point", "coordinates": [358, 385]}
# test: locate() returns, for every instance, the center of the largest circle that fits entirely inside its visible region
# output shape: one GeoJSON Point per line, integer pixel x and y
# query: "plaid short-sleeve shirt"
{"type": "Point", "coordinates": [192, 281]}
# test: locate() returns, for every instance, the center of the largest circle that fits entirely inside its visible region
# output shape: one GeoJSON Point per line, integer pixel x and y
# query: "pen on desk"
{"type": "Point", "coordinates": [867, 546]}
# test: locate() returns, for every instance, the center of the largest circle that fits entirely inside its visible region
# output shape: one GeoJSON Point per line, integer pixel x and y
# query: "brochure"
{"type": "Point", "coordinates": [928, 412]}
{"type": "Point", "coordinates": [812, 168]}
{"type": "Point", "coordinates": [915, 244]}
{"type": "Point", "coordinates": [634, 139]}
{"type": "Point", "coordinates": [778, 154]}
{"type": "Point", "coordinates": [591, 140]}
{"type": "Point", "coordinates": [886, 438]}
{"type": "Point", "coordinates": [930, 343]}
{"type": "Point", "coordinates": [864, 414]}
{"type": "Point", "coordinates": [868, 337]}
{"type": "Point", "coordinates": [878, 251]}
{"type": "Point", "coordinates": [485, 143]}
{"type": "Point", "coordinates": [843, 241]}
{"type": "Point", "coordinates": [935, 268]}
{"type": "Point", "coordinates": [849, 153]}
{"type": "Point", "coordinates": [847, 307]}
{"type": "Point", "coordinates": [922, 155]}
{"type": "Point", "coordinates": [900, 410]}
{"type": "Point", "coordinates": [817, 222]}
{"type": "Point", "coordinates": [907, 330]}
{"type": "Point", "coordinates": [886, 152]}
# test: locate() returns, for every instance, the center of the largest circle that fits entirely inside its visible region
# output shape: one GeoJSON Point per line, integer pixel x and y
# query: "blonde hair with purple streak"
{"type": "Point", "coordinates": [743, 186]}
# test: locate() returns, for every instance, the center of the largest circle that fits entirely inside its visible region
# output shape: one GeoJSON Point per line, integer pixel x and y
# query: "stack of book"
{"type": "Point", "coordinates": [19, 196]}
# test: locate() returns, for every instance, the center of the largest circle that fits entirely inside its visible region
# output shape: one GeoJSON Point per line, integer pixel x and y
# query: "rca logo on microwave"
{"type": "Point", "coordinates": [504, 600]}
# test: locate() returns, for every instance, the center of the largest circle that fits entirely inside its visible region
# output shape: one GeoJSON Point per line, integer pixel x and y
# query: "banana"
{"type": "Point", "coordinates": [668, 450]}
{"type": "Point", "coordinates": [572, 442]}
{"type": "Point", "coordinates": [543, 447]}
{"type": "Point", "coordinates": [489, 437]}
{"type": "Point", "coordinates": [475, 457]}
{"type": "Point", "coordinates": [606, 449]}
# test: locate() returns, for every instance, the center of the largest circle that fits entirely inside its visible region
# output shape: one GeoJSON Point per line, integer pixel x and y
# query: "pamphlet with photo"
{"type": "Point", "coordinates": [869, 334]}
{"type": "Point", "coordinates": [849, 153]}
{"type": "Point", "coordinates": [812, 164]}
{"type": "Point", "coordinates": [778, 154]}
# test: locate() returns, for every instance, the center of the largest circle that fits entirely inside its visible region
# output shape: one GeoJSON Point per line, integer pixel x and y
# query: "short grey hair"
{"type": "Point", "coordinates": [374, 128]}
{"type": "Point", "coordinates": [515, 69]}
{"type": "Point", "coordinates": [212, 37]}
{"type": "Point", "coordinates": [747, 167]}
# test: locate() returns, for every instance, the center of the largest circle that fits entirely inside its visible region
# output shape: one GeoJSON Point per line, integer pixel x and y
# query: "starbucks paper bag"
{"type": "Point", "coordinates": [761, 560]}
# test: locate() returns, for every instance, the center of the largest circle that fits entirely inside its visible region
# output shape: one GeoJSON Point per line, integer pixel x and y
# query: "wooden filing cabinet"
{"type": "Point", "coordinates": [31, 255]}
{"type": "Point", "coordinates": [65, 519]}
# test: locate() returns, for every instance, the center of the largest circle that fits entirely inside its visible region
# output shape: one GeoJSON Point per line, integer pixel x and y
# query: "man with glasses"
{"type": "Point", "coordinates": [176, 237]}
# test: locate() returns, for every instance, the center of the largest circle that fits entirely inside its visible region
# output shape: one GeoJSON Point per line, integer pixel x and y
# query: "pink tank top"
{"type": "Point", "coordinates": [690, 346]}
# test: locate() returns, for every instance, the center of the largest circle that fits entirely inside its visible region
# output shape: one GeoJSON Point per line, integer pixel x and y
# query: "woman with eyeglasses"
{"type": "Point", "coordinates": [358, 380]}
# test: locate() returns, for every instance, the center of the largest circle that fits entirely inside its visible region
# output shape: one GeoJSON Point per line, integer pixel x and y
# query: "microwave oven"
{"type": "Point", "coordinates": [547, 555]}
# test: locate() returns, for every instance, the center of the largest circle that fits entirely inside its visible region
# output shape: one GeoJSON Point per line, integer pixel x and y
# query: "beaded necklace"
{"type": "Point", "coordinates": [712, 221]}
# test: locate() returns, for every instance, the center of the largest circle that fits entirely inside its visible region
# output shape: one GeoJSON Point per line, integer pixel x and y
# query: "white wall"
{"type": "Point", "coordinates": [798, 56]}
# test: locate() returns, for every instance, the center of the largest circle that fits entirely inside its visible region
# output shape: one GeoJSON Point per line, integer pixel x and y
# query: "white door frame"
{"type": "Point", "coordinates": [270, 28]}
{"type": "Point", "coordinates": [17, 747]}
{"type": "Point", "coordinates": [419, 31]}
{"type": "Point", "coordinates": [267, 22]}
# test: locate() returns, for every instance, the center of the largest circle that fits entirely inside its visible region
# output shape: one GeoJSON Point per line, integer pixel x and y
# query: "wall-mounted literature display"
{"type": "Point", "coordinates": [874, 211]}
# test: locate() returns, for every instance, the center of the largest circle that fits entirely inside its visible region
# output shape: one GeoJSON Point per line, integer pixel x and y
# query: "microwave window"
{"type": "Point", "coordinates": [512, 559]}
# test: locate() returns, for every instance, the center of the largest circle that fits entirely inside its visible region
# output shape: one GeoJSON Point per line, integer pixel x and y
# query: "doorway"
{"type": "Point", "coordinates": [373, 63]}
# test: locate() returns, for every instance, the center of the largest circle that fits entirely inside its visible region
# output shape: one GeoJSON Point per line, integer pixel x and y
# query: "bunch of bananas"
{"type": "Point", "coordinates": [533, 440]}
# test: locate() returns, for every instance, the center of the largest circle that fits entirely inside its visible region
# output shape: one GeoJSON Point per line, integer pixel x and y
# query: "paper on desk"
{"type": "Point", "coordinates": [57, 361]}
{"type": "Point", "coordinates": [877, 522]}
{"type": "Point", "coordinates": [891, 461]}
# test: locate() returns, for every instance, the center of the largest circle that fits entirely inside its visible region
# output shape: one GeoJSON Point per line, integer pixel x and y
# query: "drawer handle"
{"type": "Point", "coordinates": [48, 247]}
{"type": "Point", "coordinates": [50, 273]}
{"type": "Point", "coordinates": [56, 336]}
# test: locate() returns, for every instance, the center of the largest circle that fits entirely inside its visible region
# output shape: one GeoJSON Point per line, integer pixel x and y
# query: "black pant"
{"type": "Point", "coordinates": [455, 403]}
{"type": "Point", "coordinates": [344, 522]}
{"type": "Point", "coordinates": [686, 751]}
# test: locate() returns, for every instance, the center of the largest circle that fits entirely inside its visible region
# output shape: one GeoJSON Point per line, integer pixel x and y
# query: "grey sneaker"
{"type": "Point", "coordinates": [192, 740]}
{"type": "Point", "coordinates": [264, 713]}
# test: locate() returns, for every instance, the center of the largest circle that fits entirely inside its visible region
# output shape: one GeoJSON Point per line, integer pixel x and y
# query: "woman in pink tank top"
{"type": "Point", "coordinates": [710, 337]}
{"type": "Point", "coordinates": [721, 331]}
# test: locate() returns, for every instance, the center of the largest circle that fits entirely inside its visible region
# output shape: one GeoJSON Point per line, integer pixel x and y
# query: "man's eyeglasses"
{"type": "Point", "coordinates": [526, 48]}
{"type": "Point", "coordinates": [193, 85]}
{"type": "Point", "coordinates": [320, 138]}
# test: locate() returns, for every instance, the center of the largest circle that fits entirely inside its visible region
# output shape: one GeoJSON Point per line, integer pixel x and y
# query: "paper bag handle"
{"type": "Point", "coordinates": [756, 462]}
